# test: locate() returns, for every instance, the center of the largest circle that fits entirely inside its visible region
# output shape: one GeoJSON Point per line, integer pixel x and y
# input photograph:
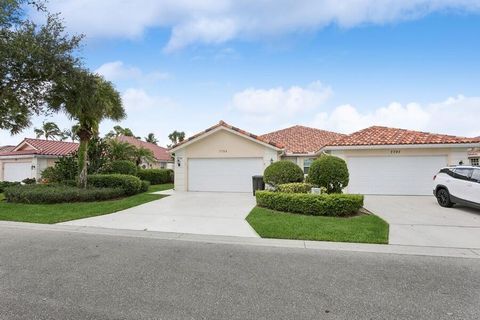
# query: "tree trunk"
{"type": "Point", "coordinates": [85, 136]}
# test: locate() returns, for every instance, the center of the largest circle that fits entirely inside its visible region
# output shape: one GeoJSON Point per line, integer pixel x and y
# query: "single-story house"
{"type": "Point", "coordinates": [381, 160]}
{"type": "Point", "coordinates": [30, 157]}
{"type": "Point", "coordinates": [394, 161]}
{"type": "Point", "coordinates": [163, 159]}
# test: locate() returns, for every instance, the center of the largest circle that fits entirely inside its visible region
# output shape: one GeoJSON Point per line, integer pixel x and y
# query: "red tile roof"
{"type": "Point", "coordinates": [226, 125]}
{"type": "Point", "coordinates": [6, 148]}
{"type": "Point", "coordinates": [378, 135]}
{"type": "Point", "coordinates": [160, 153]}
{"type": "Point", "coordinates": [302, 140]}
{"type": "Point", "coordinates": [42, 147]}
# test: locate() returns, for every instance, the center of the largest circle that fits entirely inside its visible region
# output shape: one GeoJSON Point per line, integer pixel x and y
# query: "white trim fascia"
{"type": "Point", "coordinates": [21, 143]}
{"type": "Point", "coordinates": [23, 156]}
{"type": "Point", "coordinates": [401, 146]}
{"type": "Point", "coordinates": [206, 134]}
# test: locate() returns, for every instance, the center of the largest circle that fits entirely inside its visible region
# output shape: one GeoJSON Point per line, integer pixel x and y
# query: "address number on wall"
{"type": "Point", "coordinates": [394, 151]}
{"type": "Point", "coordinates": [222, 150]}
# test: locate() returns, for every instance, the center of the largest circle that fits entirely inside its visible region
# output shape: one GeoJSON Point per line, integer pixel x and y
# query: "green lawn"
{"type": "Point", "coordinates": [281, 225]}
{"type": "Point", "coordinates": [53, 213]}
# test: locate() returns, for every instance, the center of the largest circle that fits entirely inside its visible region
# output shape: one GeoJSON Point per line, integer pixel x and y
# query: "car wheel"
{"type": "Point", "coordinates": [443, 198]}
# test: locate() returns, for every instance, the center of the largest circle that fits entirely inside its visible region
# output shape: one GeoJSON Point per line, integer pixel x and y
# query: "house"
{"type": "Point", "coordinates": [163, 159]}
{"type": "Point", "coordinates": [30, 157]}
{"type": "Point", "coordinates": [381, 160]}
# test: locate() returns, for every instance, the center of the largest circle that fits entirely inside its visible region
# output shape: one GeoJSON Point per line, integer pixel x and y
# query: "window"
{"type": "Point", "coordinates": [463, 173]}
{"type": "Point", "coordinates": [476, 175]}
{"type": "Point", "coordinates": [306, 165]}
{"type": "Point", "coordinates": [474, 161]}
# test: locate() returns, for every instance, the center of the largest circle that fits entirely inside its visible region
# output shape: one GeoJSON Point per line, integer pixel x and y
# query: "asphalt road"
{"type": "Point", "coordinates": [60, 275]}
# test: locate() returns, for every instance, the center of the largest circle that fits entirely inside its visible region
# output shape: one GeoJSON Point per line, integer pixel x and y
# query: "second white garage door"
{"type": "Point", "coordinates": [394, 175]}
{"type": "Point", "coordinates": [17, 171]}
{"type": "Point", "coordinates": [223, 174]}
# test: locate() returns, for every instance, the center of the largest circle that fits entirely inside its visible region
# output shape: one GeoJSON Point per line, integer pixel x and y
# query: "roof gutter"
{"type": "Point", "coordinates": [402, 146]}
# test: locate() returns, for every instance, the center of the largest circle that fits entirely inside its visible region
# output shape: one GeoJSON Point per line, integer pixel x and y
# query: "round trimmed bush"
{"type": "Point", "coordinates": [121, 167]}
{"type": "Point", "coordinates": [130, 184]}
{"type": "Point", "coordinates": [145, 186]}
{"type": "Point", "coordinates": [281, 172]}
{"type": "Point", "coordinates": [329, 172]}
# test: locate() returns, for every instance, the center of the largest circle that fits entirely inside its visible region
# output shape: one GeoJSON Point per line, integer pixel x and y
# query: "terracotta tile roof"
{"type": "Point", "coordinates": [160, 153]}
{"type": "Point", "coordinates": [6, 148]}
{"type": "Point", "coordinates": [43, 147]}
{"type": "Point", "coordinates": [378, 135]}
{"type": "Point", "coordinates": [226, 125]}
{"type": "Point", "coordinates": [302, 140]}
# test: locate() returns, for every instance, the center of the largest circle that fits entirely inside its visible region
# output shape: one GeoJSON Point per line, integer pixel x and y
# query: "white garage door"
{"type": "Point", "coordinates": [224, 175]}
{"type": "Point", "coordinates": [394, 175]}
{"type": "Point", "coordinates": [17, 171]}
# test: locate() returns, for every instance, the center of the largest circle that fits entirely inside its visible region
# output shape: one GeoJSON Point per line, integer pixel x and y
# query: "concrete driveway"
{"type": "Point", "coordinates": [184, 212]}
{"type": "Point", "coordinates": [420, 221]}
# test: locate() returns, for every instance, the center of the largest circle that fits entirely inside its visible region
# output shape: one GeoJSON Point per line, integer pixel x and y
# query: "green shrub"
{"type": "Point", "coordinates": [295, 187]}
{"type": "Point", "coordinates": [329, 172]}
{"type": "Point", "coordinates": [130, 184]}
{"type": "Point", "coordinates": [6, 184]}
{"type": "Point", "coordinates": [29, 181]}
{"type": "Point", "coordinates": [281, 172]}
{"type": "Point", "coordinates": [311, 204]}
{"type": "Point", "coordinates": [156, 176]}
{"type": "Point", "coordinates": [65, 168]}
{"type": "Point", "coordinates": [145, 186]}
{"type": "Point", "coordinates": [121, 167]}
{"type": "Point", "coordinates": [47, 194]}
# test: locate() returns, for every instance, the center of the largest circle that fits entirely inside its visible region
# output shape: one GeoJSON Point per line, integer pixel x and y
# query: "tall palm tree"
{"type": "Point", "coordinates": [88, 99]}
{"type": "Point", "coordinates": [71, 133]}
{"type": "Point", "coordinates": [49, 130]}
{"type": "Point", "coordinates": [151, 138]}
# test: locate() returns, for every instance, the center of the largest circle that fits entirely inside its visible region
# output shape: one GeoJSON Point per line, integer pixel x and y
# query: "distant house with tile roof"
{"type": "Point", "coordinates": [162, 157]}
{"type": "Point", "coordinates": [30, 157]}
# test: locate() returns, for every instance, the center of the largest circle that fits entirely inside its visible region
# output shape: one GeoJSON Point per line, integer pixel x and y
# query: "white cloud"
{"type": "Point", "coordinates": [139, 100]}
{"type": "Point", "coordinates": [217, 21]}
{"type": "Point", "coordinates": [456, 115]}
{"type": "Point", "coordinates": [275, 103]}
{"type": "Point", "coordinates": [117, 70]}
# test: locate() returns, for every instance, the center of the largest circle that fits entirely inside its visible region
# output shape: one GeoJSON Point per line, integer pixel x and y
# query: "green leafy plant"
{"type": "Point", "coordinates": [130, 184]}
{"type": "Point", "coordinates": [295, 187]}
{"type": "Point", "coordinates": [65, 168]}
{"type": "Point", "coordinates": [29, 181]}
{"type": "Point", "coordinates": [329, 172]}
{"type": "Point", "coordinates": [6, 184]}
{"type": "Point", "coordinates": [311, 204]}
{"type": "Point", "coordinates": [48, 194]}
{"type": "Point", "coordinates": [282, 172]}
{"type": "Point", "coordinates": [156, 176]}
{"type": "Point", "coordinates": [145, 186]}
{"type": "Point", "coordinates": [121, 167]}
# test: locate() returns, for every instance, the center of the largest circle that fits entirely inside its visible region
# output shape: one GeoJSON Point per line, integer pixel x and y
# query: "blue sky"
{"type": "Point", "coordinates": [264, 65]}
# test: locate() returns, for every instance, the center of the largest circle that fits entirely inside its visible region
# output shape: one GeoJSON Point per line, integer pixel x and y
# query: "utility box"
{"type": "Point", "coordinates": [258, 183]}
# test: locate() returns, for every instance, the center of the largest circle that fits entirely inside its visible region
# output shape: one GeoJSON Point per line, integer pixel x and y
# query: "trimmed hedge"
{"type": "Point", "coordinates": [121, 167]}
{"type": "Point", "coordinates": [145, 186]}
{"type": "Point", "coordinates": [48, 194]}
{"type": "Point", "coordinates": [295, 187]}
{"type": "Point", "coordinates": [282, 172]}
{"type": "Point", "coordinates": [311, 204]}
{"type": "Point", "coordinates": [6, 184]}
{"type": "Point", "coordinates": [156, 176]}
{"type": "Point", "coordinates": [329, 172]}
{"type": "Point", "coordinates": [130, 184]}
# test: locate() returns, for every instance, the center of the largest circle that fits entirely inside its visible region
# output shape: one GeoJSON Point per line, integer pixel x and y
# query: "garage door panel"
{"type": "Point", "coordinates": [223, 174]}
{"type": "Point", "coordinates": [17, 171]}
{"type": "Point", "coordinates": [407, 175]}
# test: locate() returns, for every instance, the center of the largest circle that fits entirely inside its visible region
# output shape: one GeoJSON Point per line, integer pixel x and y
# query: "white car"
{"type": "Point", "coordinates": [460, 184]}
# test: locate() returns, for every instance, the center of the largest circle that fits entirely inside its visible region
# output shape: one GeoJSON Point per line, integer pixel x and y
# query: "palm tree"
{"type": "Point", "coordinates": [71, 133]}
{"type": "Point", "coordinates": [143, 154]}
{"type": "Point", "coordinates": [119, 131]}
{"type": "Point", "coordinates": [151, 138]}
{"type": "Point", "coordinates": [119, 150]}
{"type": "Point", "coordinates": [176, 137]}
{"type": "Point", "coordinates": [88, 99]}
{"type": "Point", "coordinates": [49, 130]}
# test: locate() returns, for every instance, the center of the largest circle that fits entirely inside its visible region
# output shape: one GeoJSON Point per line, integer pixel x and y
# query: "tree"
{"type": "Point", "coordinates": [329, 172]}
{"type": "Point", "coordinates": [151, 138]}
{"type": "Point", "coordinates": [119, 150]}
{"type": "Point", "coordinates": [88, 99]}
{"type": "Point", "coordinates": [143, 154]}
{"type": "Point", "coordinates": [119, 131]}
{"type": "Point", "coordinates": [176, 137]}
{"type": "Point", "coordinates": [70, 133]}
{"type": "Point", "coordinates": [49, 130]}
{"type": "Point", "coordinates": [33, 59]}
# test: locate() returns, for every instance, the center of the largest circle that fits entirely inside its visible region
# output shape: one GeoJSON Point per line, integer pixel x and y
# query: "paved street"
{"type": "Point", "coordinates": [64, 275]}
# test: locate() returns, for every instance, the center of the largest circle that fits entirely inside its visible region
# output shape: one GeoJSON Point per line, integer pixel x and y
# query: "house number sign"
{"type": "Point", "coordinates": [222, 150]}
{"type": "Point", "coordinates": [394, 151]}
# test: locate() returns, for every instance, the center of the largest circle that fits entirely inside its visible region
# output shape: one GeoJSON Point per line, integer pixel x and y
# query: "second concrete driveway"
{"type": "Point", "coordinates": [420, 221]}
{"type": "Point", "coordinates": [184, 212]}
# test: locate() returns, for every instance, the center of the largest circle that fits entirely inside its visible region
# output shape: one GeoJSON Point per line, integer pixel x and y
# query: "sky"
{"type": "Point", "coordinates": [263, 65]}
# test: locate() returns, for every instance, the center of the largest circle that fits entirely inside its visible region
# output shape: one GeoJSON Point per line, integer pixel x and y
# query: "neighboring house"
{"type": "Point", "coordinates": [394, 161]}
{"type": "Point", "coordinates": [30, 157]}
{"type": "Point", "coordinates": [163, 159]}
{"type": "Point", "coordinates": [380, 160]}
{"type": "Point", "coordinates": [301, 144]}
